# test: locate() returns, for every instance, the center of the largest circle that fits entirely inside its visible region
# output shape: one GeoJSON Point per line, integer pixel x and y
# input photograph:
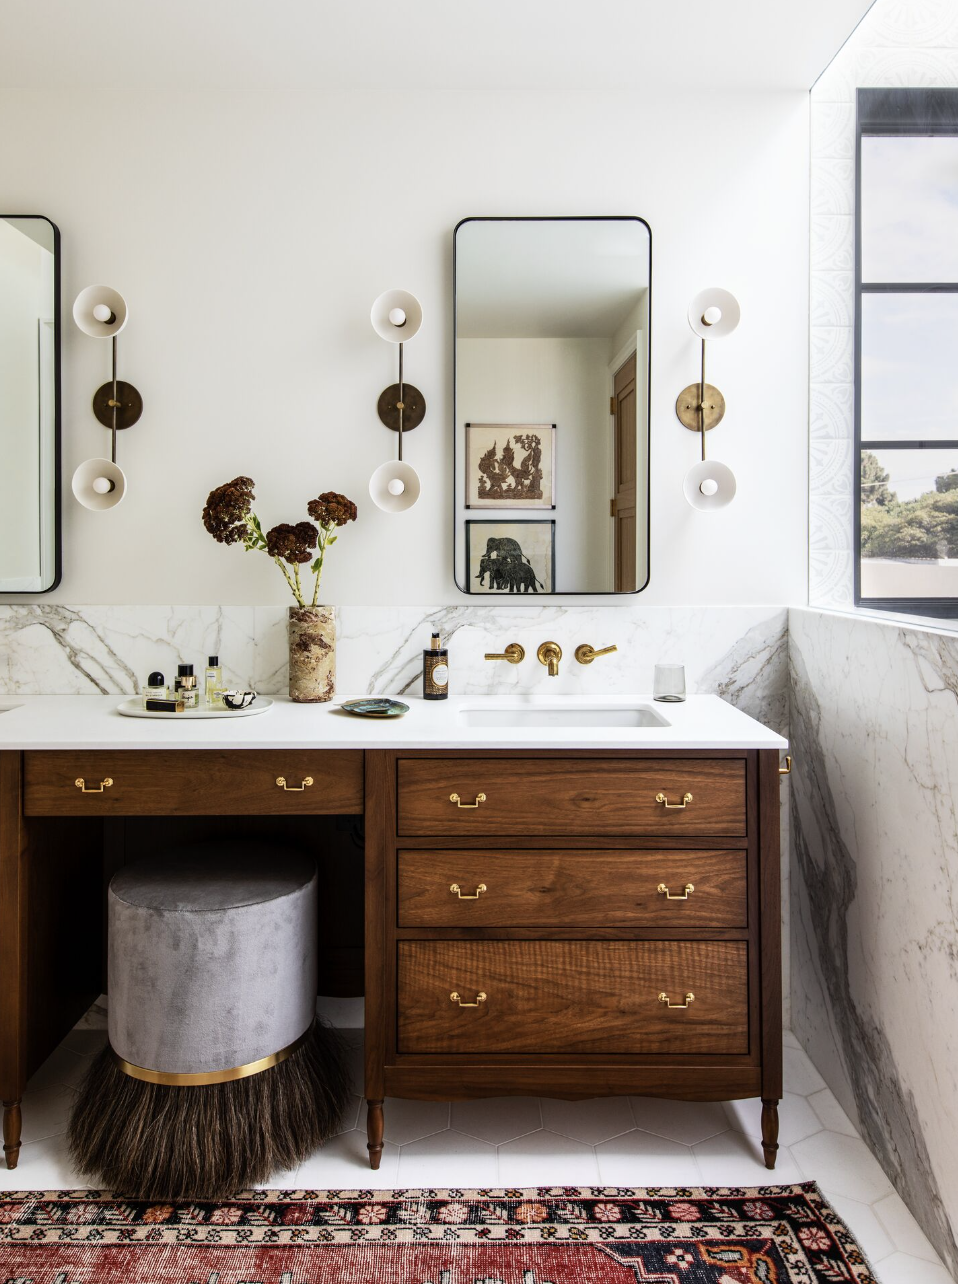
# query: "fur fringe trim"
{"type": "Point", "coordinates": [151, 1141]}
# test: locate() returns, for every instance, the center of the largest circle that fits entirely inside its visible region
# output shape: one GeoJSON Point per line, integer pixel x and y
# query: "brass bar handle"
{"type": "Point", "coordinates": [585, 654]}
{"type": "Point", "coordinates": [104, 784]}
{"type": "Point", "coordinates": [787, 769]}
{"type": "Point", "coordinates": [689, 1000]}
{"type": "Point", "coordinates": [676, 896]}
{"type": "Point", "coordinates": [514, 653]}
{"type": "Point", "coordinates": [468, 896]}
{"type": "Point", "coordinates": [480, 798]}
{"type": "Point", "coordinates": [480, 998]}
{"type": "Point", "coordinates": [294, 789]}
{"type": "Point", "coordinates": [661, 798]}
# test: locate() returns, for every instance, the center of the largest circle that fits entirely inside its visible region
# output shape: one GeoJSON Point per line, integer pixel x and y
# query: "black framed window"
{"type": "Point", "coordinates": [906, 351]}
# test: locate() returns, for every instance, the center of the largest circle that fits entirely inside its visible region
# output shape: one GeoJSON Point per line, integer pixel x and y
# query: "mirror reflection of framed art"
{"type": "Point", "coordinates": [510, 465]}
{"type": "Point", "coordinates": [510, 556]}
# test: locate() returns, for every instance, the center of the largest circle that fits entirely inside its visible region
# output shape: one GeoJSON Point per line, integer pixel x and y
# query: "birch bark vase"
{"type": "Point", "coordinates": [312, 654]}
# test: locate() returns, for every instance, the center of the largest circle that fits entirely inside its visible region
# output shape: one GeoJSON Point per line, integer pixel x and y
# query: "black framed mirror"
{"type": "Point", "coordinates": [552, 351]}
{"type": "Point", "coordinates": [29, 403]}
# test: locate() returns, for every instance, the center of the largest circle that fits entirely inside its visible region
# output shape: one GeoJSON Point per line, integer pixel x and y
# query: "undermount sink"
{"type": "Point", "coordinates": [5, 708]}
{"type": "Point", "coordinates": [573, 715]}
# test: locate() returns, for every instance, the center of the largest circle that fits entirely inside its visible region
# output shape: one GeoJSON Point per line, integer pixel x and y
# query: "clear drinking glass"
{"type": "Point", "coordinates": [669, 682]}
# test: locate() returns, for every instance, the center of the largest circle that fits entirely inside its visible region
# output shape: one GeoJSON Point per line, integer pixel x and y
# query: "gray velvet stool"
{"type": "Point", "coordinates": [217, 1073]}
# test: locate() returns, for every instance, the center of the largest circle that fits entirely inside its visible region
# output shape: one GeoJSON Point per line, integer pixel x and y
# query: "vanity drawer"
{"type": "Point", "coordinates": [555, 997]}
{"type": "Point", "coordinates": [511, 797]}
{"type": "Point", "coordinates": [572, 889]}
{"type": "Point", "coordinates": [191, 782]}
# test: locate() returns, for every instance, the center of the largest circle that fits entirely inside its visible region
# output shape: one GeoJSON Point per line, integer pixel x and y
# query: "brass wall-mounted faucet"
{"type": "Point", "coordinates": [514, 653]}
{"type": "Point", "coordinates": [585, 654]}
{"type": "Point", "coordinates": [550, 653]}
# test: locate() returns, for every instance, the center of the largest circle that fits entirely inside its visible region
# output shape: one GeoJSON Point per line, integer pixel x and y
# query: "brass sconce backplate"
{"type": "Point", "coordinates": [413, 407]}
{"type": "Point", "coordinates": [128, 410]}
{"type": "Point", "coordinates": [687, 407]}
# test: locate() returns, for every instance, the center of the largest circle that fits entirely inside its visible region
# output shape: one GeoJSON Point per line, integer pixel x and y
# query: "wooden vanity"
{"type": "Point", "coordinates": [570, 922]}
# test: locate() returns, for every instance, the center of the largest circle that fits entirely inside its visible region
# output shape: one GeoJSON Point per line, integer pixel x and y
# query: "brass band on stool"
{"type": "Point", "coordinates": [177, 1080]}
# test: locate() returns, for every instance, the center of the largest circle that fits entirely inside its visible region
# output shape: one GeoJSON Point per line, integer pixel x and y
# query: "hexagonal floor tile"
{"type": "Point", "coordinates": [645, 1159]}
{"type": "Point", "coordinates": [801, 1077]}
{"type": "Point", "coordinates": [842, 1166]}
{"type": "Point", "coordinates": [906, 1235]}
{"type": "Point", "coordinates": [407, 1120]}
{"type": "Point", "coordinates": [343, 1164]}
{"type": "Point", "coordinates": [685, 1121]}
{"type": "Point", "coordinates": [497, 1119]}
{"type": "Point", "coordinates": [448, 1159]}
{"type": "Point", "coordinates": [730, 1159]}
{"type": "Point", "coordinates": [833, 1117]}
{"type": "Point", "coordinates": [796, 1119]}
{"type": "Point", "coordinates": [591, 1121]}
{"type": "Point", "coordinates": [545, 1159]}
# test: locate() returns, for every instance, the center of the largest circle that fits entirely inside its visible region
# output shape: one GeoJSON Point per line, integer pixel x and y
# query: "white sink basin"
{"type": "Point", "coordinates": [5, 708]}
{"type": "Point", "coordinates": [572, 715]}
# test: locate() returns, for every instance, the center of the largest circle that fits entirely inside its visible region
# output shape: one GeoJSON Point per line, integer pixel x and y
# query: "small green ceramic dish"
{"type": "Point", "coordinates": [376, 707]}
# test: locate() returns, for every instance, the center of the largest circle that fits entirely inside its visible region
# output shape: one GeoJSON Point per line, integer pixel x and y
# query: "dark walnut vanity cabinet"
{"type": "Point", "coordinates": [558, 923]}
{"type": "Point", "coordinates": [573, 924]}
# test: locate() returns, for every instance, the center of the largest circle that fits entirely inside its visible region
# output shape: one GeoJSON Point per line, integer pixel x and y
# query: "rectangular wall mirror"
{"type": "Point", "coordinates": [552, 406]}
{"type": "Point", "coordinates": [29, 404]}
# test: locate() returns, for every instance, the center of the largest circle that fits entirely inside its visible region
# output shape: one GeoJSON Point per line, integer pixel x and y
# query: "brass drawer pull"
{"type": "Point", "coordinates": [467, 896]}
{"type": "Point", "coordinates": [480, 798]}
{"type": "Point", "coordinates": [787, 769]}
{"type": "Point", "coordinates": [294, 789]}
{"type": "Point", "coordinates": [677, 896]}
{"type": "Point", "coordinates": [689, 999]}
{"type": "Point", "coordinates": [104, 784]}
{"type": "Point", "coordinates": [661, 798]}
{"type": "Point", "coordinates": [480, 998]}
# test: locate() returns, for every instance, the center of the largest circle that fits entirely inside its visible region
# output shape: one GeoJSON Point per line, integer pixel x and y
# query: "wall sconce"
{"type": "Point", "coordinates": [395, 486]}
{"type": "Point", "coordinates": [100, 483]}
{"type": "Point", "coordinates": [708, 485]}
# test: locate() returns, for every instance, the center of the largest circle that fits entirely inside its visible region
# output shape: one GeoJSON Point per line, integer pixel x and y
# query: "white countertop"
{"type": "Point", "coordinates": [92, 722]}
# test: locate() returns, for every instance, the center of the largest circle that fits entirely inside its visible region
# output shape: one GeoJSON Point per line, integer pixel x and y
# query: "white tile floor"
{"type": "Point", "coordinates": [528, 1142]}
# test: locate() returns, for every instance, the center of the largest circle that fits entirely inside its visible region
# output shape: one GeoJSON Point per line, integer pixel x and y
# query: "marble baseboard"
{"type": "Point", "coordinates": [874, 958]}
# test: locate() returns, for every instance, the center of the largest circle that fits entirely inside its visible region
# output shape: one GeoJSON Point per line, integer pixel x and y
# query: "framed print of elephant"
{"type": "Point", "coordinates": [510, 465]}
{"type": "Point", "coordinates": [510, 557]}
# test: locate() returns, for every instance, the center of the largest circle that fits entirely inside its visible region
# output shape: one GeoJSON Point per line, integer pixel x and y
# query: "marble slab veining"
{"type": "Point", "coordinates": [874, 958]}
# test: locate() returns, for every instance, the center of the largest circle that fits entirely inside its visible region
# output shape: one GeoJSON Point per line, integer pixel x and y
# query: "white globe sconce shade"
{"type": "Point", "coordinates": [99, 484]}
{"type": "Point", "coordinates": [394, 487]}
{"type": "Point", "coordinates": [709, 486]}
{"type": "Point", "coordinates": [714, 313]}
{"type": "Point", "coordinates": [100, 311]}
{"type": "Point", "coordinates": [396, 316]}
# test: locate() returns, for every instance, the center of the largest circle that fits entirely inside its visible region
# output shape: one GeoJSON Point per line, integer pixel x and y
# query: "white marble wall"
{"type": "Point", "coordinates": [874, 961]}
{"type": "Point", "coordinates": [910, 44]}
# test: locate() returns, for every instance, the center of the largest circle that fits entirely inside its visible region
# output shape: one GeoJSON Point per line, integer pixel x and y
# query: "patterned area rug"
{"type": "Point", "coordinates": [550, 1235]}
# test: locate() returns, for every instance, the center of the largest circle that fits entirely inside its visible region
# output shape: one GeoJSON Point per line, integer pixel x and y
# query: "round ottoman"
{"type": "Point", "coordinates": [217, 1072]}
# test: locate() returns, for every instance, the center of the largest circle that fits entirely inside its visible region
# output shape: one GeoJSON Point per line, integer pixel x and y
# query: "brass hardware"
{"type": "Point", "coordinates": [661, 798]}
{"type": "Point", "coordinates": [465, 896]}
{"type": "Point", "coordinates": [677, 896]}
{"type": "Point", "coordinates": [294, 789]}
{"type": "Point", "coordinates": [585, 654]}
{"type": "Point", "coordinates": [126, 401]}
{"type": "Point", "coordinates": [689, 406]}
{"type": "Point", "coordinates": [787, 769]}
{"type": "Point", "coordinates": [480, 998]}
{"type": "Point", "coordinates": [201, 1079]}
{"type": "Point", "coordinates": [514, 653]}
{"type": "Point", "coordinates": [480, 798]}
{"type": "Point", "coordinates": [549, 654]}
{"type": "Point", "coordinates": [664, 998]}
{"type": "Point", "coordinates": [104, 784]}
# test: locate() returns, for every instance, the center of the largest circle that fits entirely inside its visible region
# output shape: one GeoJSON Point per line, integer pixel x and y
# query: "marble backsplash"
{"type": "Point", "coordinates": [874, 908]}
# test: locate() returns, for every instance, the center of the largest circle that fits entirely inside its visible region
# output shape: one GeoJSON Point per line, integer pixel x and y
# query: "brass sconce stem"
{"type": "Point", "coordinates": [702, 403]}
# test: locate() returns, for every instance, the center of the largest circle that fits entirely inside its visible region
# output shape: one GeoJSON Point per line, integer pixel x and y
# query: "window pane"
{"type": "Point", "coordinates": [909, 368]}
{"type": "Point", "coordinates": [909, 209]}
{"type": "Point", "coordinates": [909, 514]}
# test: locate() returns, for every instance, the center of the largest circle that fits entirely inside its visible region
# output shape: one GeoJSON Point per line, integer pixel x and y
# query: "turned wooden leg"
{"type": "Point", "coordinates": [769, 1131]}
{"type": "Point", "coordinates": [11, 1132]}
{"type": "Point", "coordinates": [374, 1132]}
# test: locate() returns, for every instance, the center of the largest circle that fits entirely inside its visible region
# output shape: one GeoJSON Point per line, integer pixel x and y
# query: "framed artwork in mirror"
{"type": "Point", "coordinates": [510, 465]}
{"type": "Point", "coordinates": [510, 556]}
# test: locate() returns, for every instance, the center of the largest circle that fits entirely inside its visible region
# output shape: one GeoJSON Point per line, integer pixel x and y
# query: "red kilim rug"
{"type": "Point", "coordinates": [550, 1235]}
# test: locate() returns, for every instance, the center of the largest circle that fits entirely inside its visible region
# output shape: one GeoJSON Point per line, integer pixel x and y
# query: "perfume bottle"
{"type": "Point", "coordinates": [435, 670]}
{"type": "Point", "coordinates": [155, 688]}
{"type": "Point", "coordinates": [184, 686]}
{"type": "Point", "coordinates": [213, 682]}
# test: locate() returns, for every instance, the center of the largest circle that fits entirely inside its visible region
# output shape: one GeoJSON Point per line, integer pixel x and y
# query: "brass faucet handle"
{"type": "Point", "coordinates": [549, 654]}
{"type": "Point", "coordinates": [585, 654]}
{"type": "Point", "coordinates": [514, 653]}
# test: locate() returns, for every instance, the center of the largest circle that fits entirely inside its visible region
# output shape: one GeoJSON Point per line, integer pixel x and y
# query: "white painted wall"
{"type": "Point", "coordinates": [550, 381]}
{"type": "Point", "coordinates": [250, 234]}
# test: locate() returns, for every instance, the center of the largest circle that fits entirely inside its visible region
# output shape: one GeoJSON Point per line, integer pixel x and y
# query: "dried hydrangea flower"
{"type": "Point", "coordinates": [332, 509]}
{"type": "Point", "coordinates": [227, 510]}
{"type": "Point", "coordinates": [293, 544]}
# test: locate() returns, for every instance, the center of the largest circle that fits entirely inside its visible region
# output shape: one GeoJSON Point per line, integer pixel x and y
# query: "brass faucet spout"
{"type": "Point", "coordinates": [549, 654]}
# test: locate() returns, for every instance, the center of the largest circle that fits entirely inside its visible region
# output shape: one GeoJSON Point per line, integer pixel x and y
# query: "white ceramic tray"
{"type": "Point", "coordinates": [133, 708]}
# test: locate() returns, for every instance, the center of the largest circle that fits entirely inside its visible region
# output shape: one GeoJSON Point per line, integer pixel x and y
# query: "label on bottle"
{"type": "Point", "coordinates": [440, 675]}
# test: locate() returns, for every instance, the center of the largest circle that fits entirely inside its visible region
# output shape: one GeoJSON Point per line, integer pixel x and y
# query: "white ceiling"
{"type": "Point", "coordinates": [430, 44]}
